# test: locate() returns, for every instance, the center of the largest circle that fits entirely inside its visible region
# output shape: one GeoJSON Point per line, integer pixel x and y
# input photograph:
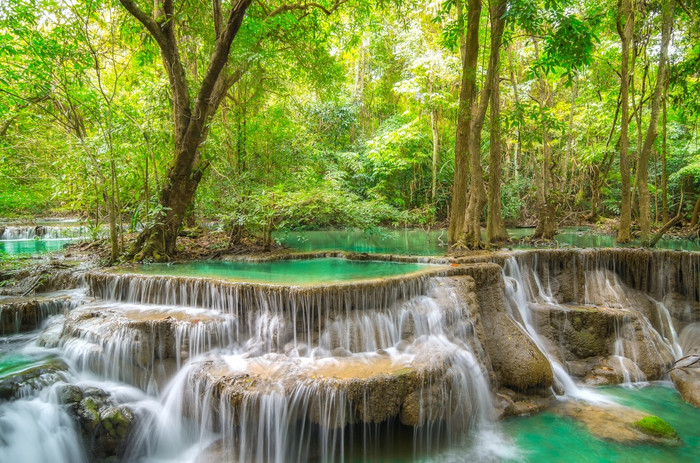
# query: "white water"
{"type": "Point", "coordinates": [297, 417]}
{"type": "Point", "coordinates": [38, 430]}
{"type": "Point", "coordinates": [519, 293]}
{"type": "Point", "coordinates": [299, 414]}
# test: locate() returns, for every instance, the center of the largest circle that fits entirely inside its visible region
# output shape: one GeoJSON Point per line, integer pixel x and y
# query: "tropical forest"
{"type": "Point", "coordinates": [349, 231]}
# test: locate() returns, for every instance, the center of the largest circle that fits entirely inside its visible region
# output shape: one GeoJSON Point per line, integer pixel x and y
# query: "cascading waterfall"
{"type": "Point", "coordinates": [519, 293]}
{"type": "Point", "coordinates": [42, 232]}
{"type": "Point", "coordinates": [37, 428]}
{"type": "Point", "coordinates": [643, 330]}
{"type": "Point", "coordinates": [306, 402]}
{"type": "Point", "coordinates": [226, 370]}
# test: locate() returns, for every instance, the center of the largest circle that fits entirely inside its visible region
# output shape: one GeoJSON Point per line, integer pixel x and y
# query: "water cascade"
{"type": "Point", "coordinates": [152, 367]}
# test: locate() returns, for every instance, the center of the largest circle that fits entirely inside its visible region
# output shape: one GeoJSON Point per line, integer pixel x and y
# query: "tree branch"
{"type": "Point", "coordinates": [305, 7]}
{"type": "Point", "coordinates": [149, 23]}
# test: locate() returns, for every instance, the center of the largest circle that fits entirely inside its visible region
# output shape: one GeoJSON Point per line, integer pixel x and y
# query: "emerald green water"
{"type": "Point", "coordinates": [412, 242]}
{"type": "Point", "coordinates": [32, 246]}
{"type": "Point", "coordinates": [295, 272]}
{"type": "Point", "coordinates": [548, 437]}
{"type": "Point", "coordinates": [434, 243]}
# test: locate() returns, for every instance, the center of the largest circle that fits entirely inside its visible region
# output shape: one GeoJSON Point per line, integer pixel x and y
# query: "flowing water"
{"type": "Point", "coordinates": [330, 360]}
{"type": "Point", "coordinates": [43, 236]}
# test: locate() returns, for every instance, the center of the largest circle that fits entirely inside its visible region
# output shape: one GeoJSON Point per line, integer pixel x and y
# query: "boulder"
{"type": "Point", "coordinates": [620, 424]}
{"type": "Point", "coordinates": [686, 377]}
{"type": "Point", "coordinates": [31, 377]}
{"type": "Point", "coordinates": [104, 425]}
{"type": "Point", "coordinates": [515, 358]}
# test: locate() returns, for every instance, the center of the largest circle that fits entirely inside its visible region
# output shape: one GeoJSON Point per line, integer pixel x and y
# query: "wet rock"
{"type": "Point", "coordinates": [603, 344]}
{"type": "Point", "coordinates": [31, 378]}
{"type": "Point", "coordinates": [686, 377]}
{"type": "Point", "coordinates": [19, 314]}
{"type": "Point", "coordinates": [511, 403]}
{"type": "Point", "coordinates": [689, 339]}
{"type": "Point", "coordinates": [682, 308]}
{"type": "Point", "coordinates": [613, 370]}
{"type": "Point", "coordinates": [104, 425]}
{"type": "Point", "coordinates": [516, 360]}
{"type": "Point", "coordinates": [617, 423]}
{"type": "Point", "coordinates": [140, 344]}
{"type": "Point", "coordinates": [43, 278]}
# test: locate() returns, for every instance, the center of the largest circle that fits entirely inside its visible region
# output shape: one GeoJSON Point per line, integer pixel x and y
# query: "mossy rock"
{"type": "Point", "coordinates": [655, 426]}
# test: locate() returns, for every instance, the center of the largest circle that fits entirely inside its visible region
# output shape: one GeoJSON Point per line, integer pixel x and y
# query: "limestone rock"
{"type": "Point", "coordinates": [516, 360]}
{"type": "Point", "coordinates": [615, 423]}
{"type": "Point", "coordinates": [686, 377]}
{"type": "Point", "coordinates": [31, 378]}
{"type": "Point", "coordinates": [104, 425]}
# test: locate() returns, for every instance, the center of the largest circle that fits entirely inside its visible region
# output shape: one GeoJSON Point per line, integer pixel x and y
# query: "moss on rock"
{"type": "Point", "coordinates": [655, 426]}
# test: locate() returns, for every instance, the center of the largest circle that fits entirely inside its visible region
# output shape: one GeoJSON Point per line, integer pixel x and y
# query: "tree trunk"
{"type": "Point", "coordinates": [664, 173]}
{"type": "Point", "coordinates": [625, 28]}
{"type": "Point", "coordinates": [696, 214]}
{"type": "Point", "coordinates": [469, 47]}
{"type": "Point", "coordinates": [477, 193]}
{"type": "Point", "coordinates": [595, 196]}
{"type": "Point", "coordinates": [546, 224]}
{"type": "Point", "coordinates": [434, 117]}
{"type": "Point", "coordinates": [190, 119]}
{"type": "Point", "coordinates": [495, 228]}
{"type": "Point", "coordinates": [642, 178]}
{"type": "Point", "coordinates": [516, 100]}
{"type": "Point", "coordinates": [569, 139]}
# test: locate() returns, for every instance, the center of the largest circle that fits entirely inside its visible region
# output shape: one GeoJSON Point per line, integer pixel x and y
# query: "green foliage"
{"type": "Point", "coordinates": [308, 208]}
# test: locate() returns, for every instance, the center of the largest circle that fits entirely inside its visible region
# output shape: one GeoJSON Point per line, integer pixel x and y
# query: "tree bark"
{"type": "Point", "coordinates": [546, 224]}
{"type": "Point", "coordinates": [495, 227]}
{"type": "Point", "coordinates": [470, 52]}
{"type": "Point", "coordinates": [471, 236]}
{"type": "Point", "coordinates": [190, 119]}
{"type": "Point", "coordinates": [642, 178]}
{"type": "Point", "coordinates": [434, 117]}
{"type": "Point", "coordinates": [664, 173]}
{"type": "Point", "coordinates": [625, 28]}
{"type": "Point", "coordinates": [696, 214]}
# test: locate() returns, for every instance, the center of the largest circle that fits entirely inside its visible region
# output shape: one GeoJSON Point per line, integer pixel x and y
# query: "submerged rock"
{"type": "Point", "coordinates": [620, 424]}
{"type": "Point", "coordinates": [686, 377]}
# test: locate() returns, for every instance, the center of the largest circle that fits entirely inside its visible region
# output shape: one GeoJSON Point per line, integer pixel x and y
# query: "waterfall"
{"type": "Point", "coordinates": [519, 293]}
{"type": "Point", "coordinates": [38, 429]}
{"type": "Point", "coordinates": [42, 232]}
{"type": "Point", "coordinates": [323, 397]}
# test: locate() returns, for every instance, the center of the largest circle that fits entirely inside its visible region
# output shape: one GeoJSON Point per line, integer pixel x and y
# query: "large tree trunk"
{"type": "Point", "coordinates": [477, 194]}
{"type": "Point", "coordinates": [664, 173]}
{"type": "Point", "coordinates": [642, 178]}
{"type": "Point", "coordinates": [625, 28]}
{"type": "Point", "coordinates": [190, 119]}
{"type": "Point", "coordinates": [469, 46]}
